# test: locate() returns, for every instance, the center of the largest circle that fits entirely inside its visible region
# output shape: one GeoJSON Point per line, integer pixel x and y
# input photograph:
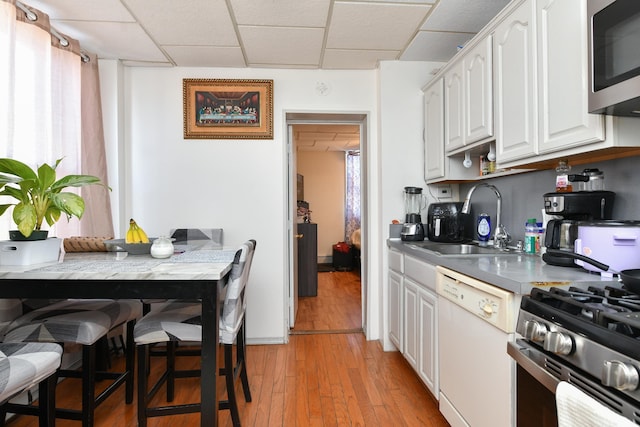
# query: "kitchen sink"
{"type": "Point", "coordinates": [448, 249]}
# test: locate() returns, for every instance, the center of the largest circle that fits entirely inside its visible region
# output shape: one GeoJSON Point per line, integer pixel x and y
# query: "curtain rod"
{"type": "Point", "coordinates": [63, 41]}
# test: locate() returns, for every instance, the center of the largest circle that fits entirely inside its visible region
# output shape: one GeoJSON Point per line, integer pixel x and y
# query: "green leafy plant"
{"type": "Point", "coordinates": [39, 194]}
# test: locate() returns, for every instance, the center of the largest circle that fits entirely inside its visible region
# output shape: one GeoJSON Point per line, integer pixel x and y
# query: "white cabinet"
{"type": "Point", "coordinates": [434, 166]}
{"type": "Point", "coordinates": [395, 297]}
{"type": "Point", "coordinates": [541, 82]}
{"type": "Point", "coordinates": [562, 37]}
{"type": "Point", "coordinates": [478, 92]}
{"type": "Point", "coordinates": [395, 308]}
{"type": "Point", "coordinates": [468, 97]}
{"type": "Point", "coordinates": [420, 321]}
{"type": "Point", "coordinates": [515, 88]}
{"type": "Point", "coordinates": [427, 354]}
{"type": "Point", "coordinates": [411, 323]}
{"type": "Point", "coordinates": [453, 107]}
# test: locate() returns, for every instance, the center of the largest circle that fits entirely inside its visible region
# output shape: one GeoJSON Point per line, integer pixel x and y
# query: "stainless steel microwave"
{"type": "Point", "coordinates": [614, 57]}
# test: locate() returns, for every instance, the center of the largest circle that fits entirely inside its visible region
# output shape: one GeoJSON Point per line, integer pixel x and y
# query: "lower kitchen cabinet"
{"type": "Point", "coordinates": [396, 280]}
{"type": "Point", "coordinates": [395, 308]}
{"type": "Point", "coordinates": [413, 317]}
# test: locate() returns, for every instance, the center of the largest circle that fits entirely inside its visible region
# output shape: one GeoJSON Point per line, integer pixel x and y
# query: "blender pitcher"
{"type": "Point", "coordinates": [414, 202]}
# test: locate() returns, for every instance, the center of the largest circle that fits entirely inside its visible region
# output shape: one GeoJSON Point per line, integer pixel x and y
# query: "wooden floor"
{"type": "Point", "coordinates": [317, 379]}
{"type": "Point", "coordinates": [337, 307]}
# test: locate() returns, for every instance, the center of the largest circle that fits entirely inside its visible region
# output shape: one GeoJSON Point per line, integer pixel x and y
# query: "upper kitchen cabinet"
{"type": "Point", "coordinates": [468, 97]}
{"type": "Point", "coordinates": [437, 166]}
{"type": "Point", "coordinates": [541, 54]}
{"type": "Point", "coordinates": [515, 88]}
{"type": "Point", "coordinates": [563, 53]}
{"type": "Point", "coordinates": [434, 131]}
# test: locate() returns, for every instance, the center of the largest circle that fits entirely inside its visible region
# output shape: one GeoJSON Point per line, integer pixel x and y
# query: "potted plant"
{"type": "Point", "coordinates": [39, 196]}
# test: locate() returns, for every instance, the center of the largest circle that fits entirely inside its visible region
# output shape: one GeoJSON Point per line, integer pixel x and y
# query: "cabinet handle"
{"type": "Point", "coordinates": [299, 236]}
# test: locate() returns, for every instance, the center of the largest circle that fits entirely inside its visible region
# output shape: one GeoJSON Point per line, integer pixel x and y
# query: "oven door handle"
{"type": "Point", "coordinates": [518, 351]}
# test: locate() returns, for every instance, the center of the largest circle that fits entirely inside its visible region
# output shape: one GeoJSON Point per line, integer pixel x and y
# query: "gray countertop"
{"type": "Point", "coordinates": [518, 273]}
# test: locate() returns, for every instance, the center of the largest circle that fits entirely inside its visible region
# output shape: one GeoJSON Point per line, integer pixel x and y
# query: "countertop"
{"type": "Point", "coordinates": [517, 273]}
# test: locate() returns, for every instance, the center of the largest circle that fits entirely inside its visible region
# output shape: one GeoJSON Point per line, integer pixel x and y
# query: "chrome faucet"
{"type": "Point", "coordinates": [500, 235]}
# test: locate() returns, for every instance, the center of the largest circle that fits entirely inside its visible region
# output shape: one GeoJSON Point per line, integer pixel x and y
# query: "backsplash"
{"type": "Point", "coordinates": [522, 194]}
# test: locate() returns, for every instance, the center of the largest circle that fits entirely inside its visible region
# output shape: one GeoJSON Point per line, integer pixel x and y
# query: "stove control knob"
{"type": "Point", "coordinates": [619, 375]}
{"type": "Point", "coordinates": [534, 330]}
{"type": "Point", "coordinates": [558, 343]}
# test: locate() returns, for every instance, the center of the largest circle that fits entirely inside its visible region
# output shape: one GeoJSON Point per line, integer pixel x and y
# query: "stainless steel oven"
{"type": "Point", "coordinates": [587, 337]}
{"type": "Point", "coordinates": [614, 57]}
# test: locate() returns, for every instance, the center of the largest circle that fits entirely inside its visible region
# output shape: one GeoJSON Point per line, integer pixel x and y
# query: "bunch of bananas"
{"type": "Point", "coordinates": [135, 234]}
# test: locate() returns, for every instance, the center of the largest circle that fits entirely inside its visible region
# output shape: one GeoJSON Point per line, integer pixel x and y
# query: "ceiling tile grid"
{"type": "Point", "coordinates": [329, 34]}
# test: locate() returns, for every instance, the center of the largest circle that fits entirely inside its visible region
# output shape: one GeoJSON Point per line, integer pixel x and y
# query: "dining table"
{"type": "Point", "coordinates": [194, 272]}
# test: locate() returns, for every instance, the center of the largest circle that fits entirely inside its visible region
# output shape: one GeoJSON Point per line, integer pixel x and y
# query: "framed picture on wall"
{"type": "Point", "coordinates": [227, 109]}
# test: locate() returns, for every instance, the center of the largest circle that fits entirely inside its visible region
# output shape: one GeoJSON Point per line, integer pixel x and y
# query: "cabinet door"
{"type": "Point", "coordinates": [478, 92]}
{"type": "Point", "coordinates": [411, 324]}
{"type": "Point", "coordinates": [434, 131]}
{"type": "Point", "coordinates": [562, 36]}
{"type": "Point", "coordinates": [395, 309]}
{"type": "Point", "coordinates": [427, 359]}
{"type": "Point", "coordinates": [515, 85]}
{"type": "Point", "coordinates": [453, 106]}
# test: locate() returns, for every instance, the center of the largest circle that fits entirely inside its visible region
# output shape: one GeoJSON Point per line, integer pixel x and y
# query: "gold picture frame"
{"type": "Point", "coordinates": [227, 109]}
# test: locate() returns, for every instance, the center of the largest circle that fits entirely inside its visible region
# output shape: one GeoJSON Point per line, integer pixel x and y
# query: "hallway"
{"type": "Point", "coordinates": [336, 308]}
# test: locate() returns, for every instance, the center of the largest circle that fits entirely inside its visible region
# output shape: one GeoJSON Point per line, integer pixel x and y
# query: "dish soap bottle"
{"type": "Point", "coordinates": [563, 185]}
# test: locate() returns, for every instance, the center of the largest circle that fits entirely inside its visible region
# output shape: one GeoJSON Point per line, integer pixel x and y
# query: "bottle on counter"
{"type": "Point", "coordinates": [484, 229]}
{"type": "Point", "coordinates": [530, 236]}
{"type": "Point", "coordinates": [540, 239]}
{"type": "Point", "coordinates": [563, 185]}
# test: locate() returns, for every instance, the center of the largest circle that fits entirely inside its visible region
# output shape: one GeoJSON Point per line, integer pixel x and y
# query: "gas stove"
{"type": "Point", "coordinates": [589, 337]}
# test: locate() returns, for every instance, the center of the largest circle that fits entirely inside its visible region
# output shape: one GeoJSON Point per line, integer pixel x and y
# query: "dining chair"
{"type": "Point", "coordinates": [180, 321]}
{"type": "Point", "coordinates": [85, 323]}
{"type": "Point", "coordinates": [23, 366]}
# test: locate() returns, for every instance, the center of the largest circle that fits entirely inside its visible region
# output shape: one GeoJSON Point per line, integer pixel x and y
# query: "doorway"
{"type": "Point", "coordinates": [317, 138]}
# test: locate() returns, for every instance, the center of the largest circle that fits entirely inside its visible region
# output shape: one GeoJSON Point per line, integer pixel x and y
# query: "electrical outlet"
{"type": "Point", "coordinates": [443, 192]}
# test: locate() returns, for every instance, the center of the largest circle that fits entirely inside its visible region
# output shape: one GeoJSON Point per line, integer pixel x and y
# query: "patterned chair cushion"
{"type": "Point", "coordinates": [73, 321]}
{"type": "Point", "coordinates": [181, 321]}
{"type": "Point", "coordinates": [23, 365]}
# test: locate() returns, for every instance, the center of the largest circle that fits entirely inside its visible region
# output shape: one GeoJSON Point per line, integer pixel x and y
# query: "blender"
{"type": "Point", "coordinates": [414, 202]}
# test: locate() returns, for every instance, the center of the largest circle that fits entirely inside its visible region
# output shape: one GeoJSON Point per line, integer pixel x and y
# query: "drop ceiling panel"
{"type": "Point", "coordinates": [278, 45]}
{"type": "Point", "coordinates": [463, 16]}
{"type": "Point", "coordinates": [281, 13]}
{"type": "Point", "coordinates": [439, 46]}
{"type": "Point", "coordinates": [373, 26]}
{"type": "Point", "coordinates": [330, 34]}
{"type": "Point", "coordinates": [206, 56]}
{"type": "Point", "coordinates": [113, 40]}
{"type": "Point", "coordinates": [88, 10]}
{"type": "Point", "coordinates": [202, 22]}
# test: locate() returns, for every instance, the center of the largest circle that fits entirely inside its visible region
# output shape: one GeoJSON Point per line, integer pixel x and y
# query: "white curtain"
{"type": "Point", "coordinates": [352, 205]}
{"type": "Point", "coordinates": [40, 102]}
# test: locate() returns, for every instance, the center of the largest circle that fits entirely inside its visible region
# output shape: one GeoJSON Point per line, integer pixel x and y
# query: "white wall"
{"type": "Point", "coordinates": [239, 185]}
{"type": "Point", "coordinates": [401, 156]}
{"type": "Point", "coordinates": [324, 189]}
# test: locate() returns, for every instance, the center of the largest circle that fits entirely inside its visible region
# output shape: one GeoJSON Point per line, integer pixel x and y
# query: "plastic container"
{"type": "Point", "coordinates": [530, 236]}
{"type": "Point", "coordinates": [32, 252]}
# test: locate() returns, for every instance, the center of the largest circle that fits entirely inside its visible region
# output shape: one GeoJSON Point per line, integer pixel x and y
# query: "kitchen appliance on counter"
{"type": "Point", "coordinates": [414, 202]}
{"type": "Point", "coordinates": [614, 57]}
{"type": "Point", "coordinates": [447, 224]}
{"type": "Point", "coordinates": [572, 208]}
{"type": "Point", "coordinates": [588, 336]}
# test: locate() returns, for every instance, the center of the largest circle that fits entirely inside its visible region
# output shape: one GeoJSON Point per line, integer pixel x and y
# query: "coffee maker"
{"type": "Point", "coordinates": [573, 208]}
{"type": "Point", "coordinates": [414, 202]}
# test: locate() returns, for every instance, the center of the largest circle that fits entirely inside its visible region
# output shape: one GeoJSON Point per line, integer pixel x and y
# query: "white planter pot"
{"type": "Point", "coordinates": [29, 252]}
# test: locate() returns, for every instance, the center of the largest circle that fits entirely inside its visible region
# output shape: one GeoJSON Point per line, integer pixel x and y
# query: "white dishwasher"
{"type": "Point", "coordinates": [477, 376]}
